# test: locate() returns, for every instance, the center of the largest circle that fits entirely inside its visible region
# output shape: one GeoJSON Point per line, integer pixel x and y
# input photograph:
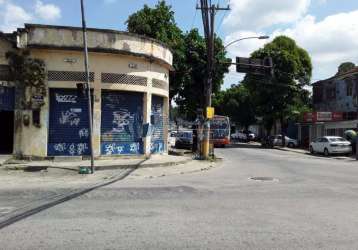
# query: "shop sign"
{"type": "Point", "coordinates": [323, 116]}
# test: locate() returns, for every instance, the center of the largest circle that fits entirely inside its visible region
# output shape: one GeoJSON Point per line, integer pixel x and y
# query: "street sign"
{"type": "Point", "coordinates": [210, 112]}
{"type": "Point", "coordinates": [254, 66]}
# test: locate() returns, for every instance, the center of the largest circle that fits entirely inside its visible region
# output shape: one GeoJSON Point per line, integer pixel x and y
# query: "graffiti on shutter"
{"type": "Point", "coordinates": [68, 130]}
{"type": "Point", "coordinates": [157, 139]}
{"type": "Point", "coordinates": [121, 125]}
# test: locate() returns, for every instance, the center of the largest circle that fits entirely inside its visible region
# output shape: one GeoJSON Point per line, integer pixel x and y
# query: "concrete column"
{"type": "Point", "coordinates": [166, 122]}
{"type": "Point", "coordinates": [147, 110]}
{"type": "Point", "coordinates": [97, 94]}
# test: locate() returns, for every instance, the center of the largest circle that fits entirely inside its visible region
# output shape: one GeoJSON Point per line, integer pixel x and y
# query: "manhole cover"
{"type": "Point", "coordinates": [263, 179]}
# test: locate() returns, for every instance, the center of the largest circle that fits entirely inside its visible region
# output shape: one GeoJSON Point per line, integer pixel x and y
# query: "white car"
{"type": "Point", "coordinates": [330, 145]}
{"type": "Point", "coordinates": [291, 143]}
{"type": "Point", "coordinates": [171, 139]}
{"type": "Point", "coordinates": [240, 136]}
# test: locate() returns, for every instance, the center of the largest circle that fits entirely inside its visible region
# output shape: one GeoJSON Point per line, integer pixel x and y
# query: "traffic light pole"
{"type": "Point", "coordinates": [208, 15]}
{"type": "Point", "coordinates": [90, 119]}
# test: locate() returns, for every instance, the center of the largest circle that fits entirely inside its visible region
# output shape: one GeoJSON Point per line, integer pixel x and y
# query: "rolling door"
{"type": "Point", "coordinates": [68, 128]}
{"type": "Point", "coordinates": [121, 123]}
{"type": "Point", "coordinates": [157, 119]}
{"type": "Point", "coordinates": [7, 106]}
{"type": "Point", "coordinates": [7, 98]}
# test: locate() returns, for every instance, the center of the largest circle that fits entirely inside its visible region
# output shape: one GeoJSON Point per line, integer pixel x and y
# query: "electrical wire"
{"type": "Point", "coordinates": [194, 18]}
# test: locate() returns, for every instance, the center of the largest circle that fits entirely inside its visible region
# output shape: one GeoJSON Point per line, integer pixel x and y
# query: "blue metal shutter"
{"type": "Point", "coordinates": [68, 128]}
{"type": "Point", "coordinates": [7, 98]}
{"type": "Point", "coordinates": [157, 139]}
{"type": "Point", "coordinates": [121, 123]}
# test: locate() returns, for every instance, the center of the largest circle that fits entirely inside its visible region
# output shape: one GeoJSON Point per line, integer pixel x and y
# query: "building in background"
{"type": "Point", "coordinates": [335, 107]}
{"type": "Point", "coordinates": [129, 75]}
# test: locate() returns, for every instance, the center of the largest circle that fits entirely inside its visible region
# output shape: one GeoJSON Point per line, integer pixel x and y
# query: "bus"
{"type": "Point", "coordinates": [220, 127]}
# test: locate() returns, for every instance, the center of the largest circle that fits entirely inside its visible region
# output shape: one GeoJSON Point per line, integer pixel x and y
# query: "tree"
{"type": "Point", "coordinates": [274, 97]}
{"type": "Point", "coordinates": [190, 96]}
{"type": "Point", "coordinates": [189, 55]}
{"type": "Point", "coordinates": [236, 103]}
{"type": "Point", "coordinates": [159, 23]}
{"type": "Point", "coordinates": [345, 67]}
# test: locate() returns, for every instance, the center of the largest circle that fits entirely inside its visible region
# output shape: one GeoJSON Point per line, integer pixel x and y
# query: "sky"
{"type": "Point", "coordinates": [327, 29]}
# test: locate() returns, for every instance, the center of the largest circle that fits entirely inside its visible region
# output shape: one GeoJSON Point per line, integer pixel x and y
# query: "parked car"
{"type": "Point", "coordinates": [239, 136]}
{"type": "Point", "coordinates": [184, 139]}
{"type": "Point", "coordinates": [331, 145]}
{"type": "Point", "coordinates": [172, 139]}
{"type": "Point", "coordinates": [289, 142]}
{"type": "Point", "coordinates": [250, 136]}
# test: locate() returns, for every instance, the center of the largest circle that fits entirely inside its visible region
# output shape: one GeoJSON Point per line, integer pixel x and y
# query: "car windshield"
{"type": "Point", "coordinates": [185, 135]}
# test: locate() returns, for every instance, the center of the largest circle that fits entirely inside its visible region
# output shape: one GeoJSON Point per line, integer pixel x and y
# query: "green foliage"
{"type": "Point", "coordinates": [189, 55]}
{"type": "Point", "coordinates": [345, 67]}
{"type": "Point", "coordinates": [26, 71]}
{"type": "Point", "coordinates": [292, 71]}
{"type": "Point", "coordinates": [236, 103]}
{"type": "Point", "coordinates": [191, 95]}
{"type": "Point", "coordinates": [159, 23]}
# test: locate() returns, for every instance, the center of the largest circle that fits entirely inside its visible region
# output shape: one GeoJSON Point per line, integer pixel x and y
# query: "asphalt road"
{"type": "Point", "coordinates": [312, 203]}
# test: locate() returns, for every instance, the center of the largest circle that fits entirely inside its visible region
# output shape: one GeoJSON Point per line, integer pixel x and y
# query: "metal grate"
{"type": "Point", "coordinates": [4, 72]}
{"type": "Point", "coordinates": [160, 84]}
{"type": "Point", "coordinates": [73, 76]}
{"type": "Point", "coordinates": [123, 79]}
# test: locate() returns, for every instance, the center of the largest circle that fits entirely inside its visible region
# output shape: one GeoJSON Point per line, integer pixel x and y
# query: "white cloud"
{"type": "Point", "coordinates": [253, 15]}
{"type": "Point", "coordinates": [12, 16]}
{"type": "Point", "coordinates": [47, 12]}
{"type": "Point", "coordinates": [329, 42]}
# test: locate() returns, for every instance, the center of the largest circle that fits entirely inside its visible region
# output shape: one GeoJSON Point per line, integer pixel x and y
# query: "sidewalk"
{"type": "Point", "coordinates": [27, 192]}
{"type": "Point", "coordinates": [105, 164]}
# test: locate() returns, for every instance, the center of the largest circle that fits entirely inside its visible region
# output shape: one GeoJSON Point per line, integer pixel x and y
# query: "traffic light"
{"type": "Point", "coordinates": [268, 66]}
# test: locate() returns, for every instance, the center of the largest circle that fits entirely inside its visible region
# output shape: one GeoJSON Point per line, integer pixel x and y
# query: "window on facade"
{"type": "Point", "coordinates": [331, 132]}
{"type": "Point", "coordinates": [317, 94]}
{"type": "Point", "coordinates": [331, 93]}
{"type": "Point", "coordinates": [349, 89]}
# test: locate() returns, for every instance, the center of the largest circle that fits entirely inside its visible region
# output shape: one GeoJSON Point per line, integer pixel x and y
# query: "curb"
{"type": "Point", "coordinates": [287, 150]}
{"type": "Point", "coordinates": [34, 168]}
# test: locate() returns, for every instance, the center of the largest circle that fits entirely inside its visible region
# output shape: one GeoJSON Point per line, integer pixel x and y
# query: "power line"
{"type": "Point", "coordinates": [220, 23]}
{"type": "Point", "coordinates": [194, 18]}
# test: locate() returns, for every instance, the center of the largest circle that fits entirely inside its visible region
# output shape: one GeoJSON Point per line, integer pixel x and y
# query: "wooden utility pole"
{"type": "Point", "coordinates": [208, 12]}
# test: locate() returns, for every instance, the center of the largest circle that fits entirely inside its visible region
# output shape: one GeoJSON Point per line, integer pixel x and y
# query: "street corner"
{"type": "Point", "coordinates": [189, 167]}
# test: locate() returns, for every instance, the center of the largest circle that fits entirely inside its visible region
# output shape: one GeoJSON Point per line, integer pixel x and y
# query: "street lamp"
{"type": "Point", "coordinates": [250, 37]}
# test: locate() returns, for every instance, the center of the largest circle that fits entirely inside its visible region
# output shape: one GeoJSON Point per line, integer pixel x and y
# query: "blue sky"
{"type": "Point", "coordinates": [327, 29]}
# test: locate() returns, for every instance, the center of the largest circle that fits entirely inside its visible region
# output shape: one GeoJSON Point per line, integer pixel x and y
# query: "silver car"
{"type": "Point", "coordinates": [291, 143]}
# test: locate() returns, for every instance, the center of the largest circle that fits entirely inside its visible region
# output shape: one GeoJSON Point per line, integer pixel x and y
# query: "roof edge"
{"type": "Point", "coordinates": [34, 25]}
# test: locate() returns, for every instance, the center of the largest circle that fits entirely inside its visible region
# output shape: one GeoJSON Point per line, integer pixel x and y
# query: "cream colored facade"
{"type": "Point", "coordinates": [111, 52]}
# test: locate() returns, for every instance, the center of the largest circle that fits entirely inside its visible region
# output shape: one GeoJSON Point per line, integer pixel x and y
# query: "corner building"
{"type": "Point", "coordinates": [129, 76]}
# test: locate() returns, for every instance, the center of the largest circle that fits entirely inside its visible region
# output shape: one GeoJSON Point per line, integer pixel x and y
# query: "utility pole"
{"type": "Point", "coordinates": [88, 86]}
{"type": "Point", "coordinates": [208, 12]}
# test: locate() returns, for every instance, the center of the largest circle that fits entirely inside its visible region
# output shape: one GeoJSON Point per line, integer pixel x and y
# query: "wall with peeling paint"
{"type": "Point", "coordinates": [146, 58]}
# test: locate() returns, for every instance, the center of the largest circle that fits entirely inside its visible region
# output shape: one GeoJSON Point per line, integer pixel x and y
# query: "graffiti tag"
{"type": "Point", "coordinates": [66, 98]}
{"type": "Point", "coordinates": [70, 117]}
{"type": "Point", "coordinates": [120, 120]}
{"type": "Point", "coordinates": [83, 133]}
